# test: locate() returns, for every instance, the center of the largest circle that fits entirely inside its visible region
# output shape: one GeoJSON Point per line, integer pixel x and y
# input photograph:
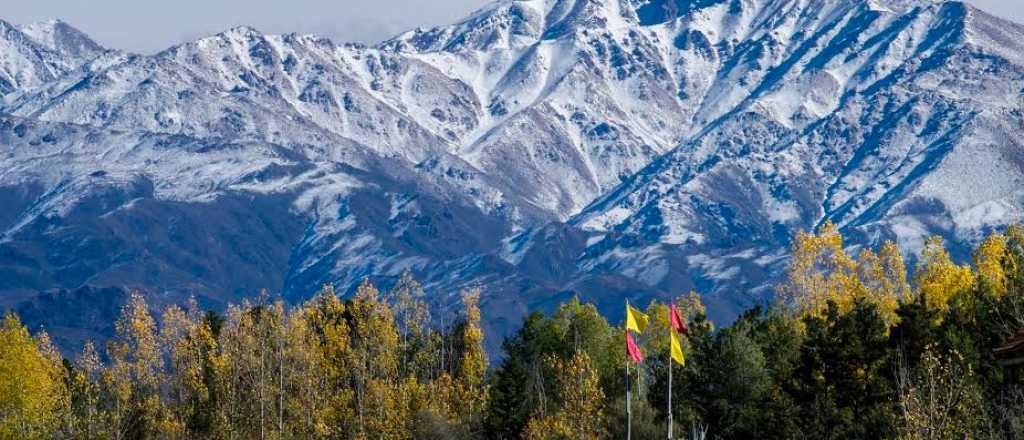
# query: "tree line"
{"type": "Point", "coordinates": [853, 347]}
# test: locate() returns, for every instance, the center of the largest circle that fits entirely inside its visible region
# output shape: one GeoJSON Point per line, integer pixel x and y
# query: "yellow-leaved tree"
{"type": "Point", "coordinates": [135, 374]}
{"type": "Point", "coordinates": [306, 392]}
{"type": "Point", "coordinates": [33, 395]}
{"type": "Point", "coordinates": [374, 367]}
{"type": "Point", "coordinates": [413, 318]}
{"type": "Point", "coordinates": [85, 378]}
{"type": "Point", "coordinates": [821, 272]}
{"type": "Point", "coordinates": [937, 278]}
{"type": "Point", "coordinates": [884, 278]}
{"type": "Point", "coordinates": [580, 413]}
{"type": "Point", "coordinates": [325, 316]}
{"type": "Point", "coordinates": [991, 259]}
{"type": "Point", "coordinates": [690, 305]}
{"type": "Point", "coordinates": [191, 348]}
{"type": "Point", "coordinates": [473, 365]}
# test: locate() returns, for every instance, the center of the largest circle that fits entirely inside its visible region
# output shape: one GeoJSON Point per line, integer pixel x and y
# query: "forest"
{"type": "Point", "coordinates": [855, 344]}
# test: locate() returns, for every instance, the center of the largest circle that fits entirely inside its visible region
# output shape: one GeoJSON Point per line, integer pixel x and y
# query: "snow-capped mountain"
{"type": "Point", "coordinates": [37, 53]}
{"type": "Point", "coordinates": [894, 120]}
{"type": "Point", "coordinates": [537, 148]}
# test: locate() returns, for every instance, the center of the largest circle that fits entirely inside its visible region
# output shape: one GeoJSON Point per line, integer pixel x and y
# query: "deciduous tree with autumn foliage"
{"type": "Point", "coordinates": [854, 347]}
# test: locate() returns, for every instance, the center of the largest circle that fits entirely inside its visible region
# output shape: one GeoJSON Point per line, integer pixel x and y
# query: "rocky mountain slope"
{"type": "Point", "coordinates": [37, 53]}
{"type": "Point", "coordinates": [538, 148]}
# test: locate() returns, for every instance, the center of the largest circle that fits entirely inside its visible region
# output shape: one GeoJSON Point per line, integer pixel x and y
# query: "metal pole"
{"type": "Point", "coordinates": [629, 410]}
{"type": "Point", "coordinates": [670, 383]}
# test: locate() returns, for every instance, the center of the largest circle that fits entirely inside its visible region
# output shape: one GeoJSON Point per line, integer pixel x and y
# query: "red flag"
{"type": "Point", "coordinates": [632, 349]}
{"type": "Point", "coordinates": [675, 321]}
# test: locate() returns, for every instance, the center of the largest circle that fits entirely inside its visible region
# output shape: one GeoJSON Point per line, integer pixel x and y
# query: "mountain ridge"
{"type": "Point", "coordinates": [538, 148]}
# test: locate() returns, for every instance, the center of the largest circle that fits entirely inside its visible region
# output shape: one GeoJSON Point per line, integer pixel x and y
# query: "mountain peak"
{"type": "Point", "coordinates": [61, 37]}
{"type": "Point", "coordinates": [236, 33]}
{"type": "Point", "coordinates": [517, 23]}
{"type": "Point", "coordinates": [241, 35]}
{"type": "Point", "coordinates": [37, 53]}
{"type": "Point", "coordinates": [501, 24]}
{"type": "Point", "coordinates": [242, 31]}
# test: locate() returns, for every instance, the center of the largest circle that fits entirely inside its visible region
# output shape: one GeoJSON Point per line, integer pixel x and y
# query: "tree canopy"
{"type": "Point", "coordinates": [854, 347]}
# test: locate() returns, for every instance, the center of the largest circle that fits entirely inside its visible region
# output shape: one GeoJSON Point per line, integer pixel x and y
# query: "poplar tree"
{"type": "Point", "coordinates": [307, 395]}
{"type": "Point", "coordinates": [86, 404]}
{"type": "Point", "coordinates": [936, 276]}
{"type": "Point", "coordinates": [374, 361]}
{"type": "Point", "coordinates": [821, 272]}
{"type": "Point", "coordinates": [992, 260]}
{"type": "Point", "coordinates": [241, 375]}
{"type": "Point", "coordinates": [135, 374]}
{"type": "Point", "coordinates": [33, 395]}
{"type": "Point", "coordinates": [413, 319]}
{"type": "Point", "coordinates": [326, 317]}
{"type": "Point", "coordinates": [580, 414]}
{"type": "Point", "coordinates": [472, 390]}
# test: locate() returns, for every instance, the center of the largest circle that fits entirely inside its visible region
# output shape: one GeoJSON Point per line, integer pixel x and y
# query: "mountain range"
{"type": "Point", "coordinates": [539, 149]}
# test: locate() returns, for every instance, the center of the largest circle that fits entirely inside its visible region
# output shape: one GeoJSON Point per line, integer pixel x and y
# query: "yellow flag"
{"type": "Point", "coordinates": [635, 320]}
{"type": "Point", "coordinates": [677, 349]}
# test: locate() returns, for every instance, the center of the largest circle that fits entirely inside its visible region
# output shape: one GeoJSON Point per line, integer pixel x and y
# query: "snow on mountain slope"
{"type": "Point", "coordinates": [37, 53]}
{"type": "Point", "coordinates": [870, 118]}
{"type": "Point", "coordinates": [219, 219]}
{"type": "Point", "coordinates": [67, 41]}
{"type": "Point", "coordinates": [539, 148]}
{"type": "Point", "coordinates": [594, 85]}
{"type": "Point", "coordinates": [575, 78]}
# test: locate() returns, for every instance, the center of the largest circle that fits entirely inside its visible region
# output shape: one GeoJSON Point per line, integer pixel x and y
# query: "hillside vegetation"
{"type": "Point", "coordinates": [852, 348]}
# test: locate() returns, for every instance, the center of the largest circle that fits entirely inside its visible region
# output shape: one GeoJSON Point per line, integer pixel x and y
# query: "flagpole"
{"type": "Point", "coordinates": [629, 411]}
{"type": "Point", "coordinates": [636, 321]}
{"type": "Point", "coordinates": [670, 330]}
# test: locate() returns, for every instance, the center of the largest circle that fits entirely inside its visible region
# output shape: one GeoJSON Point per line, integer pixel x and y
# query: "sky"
{"type": "Point", "coordinates": [148, 26]}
